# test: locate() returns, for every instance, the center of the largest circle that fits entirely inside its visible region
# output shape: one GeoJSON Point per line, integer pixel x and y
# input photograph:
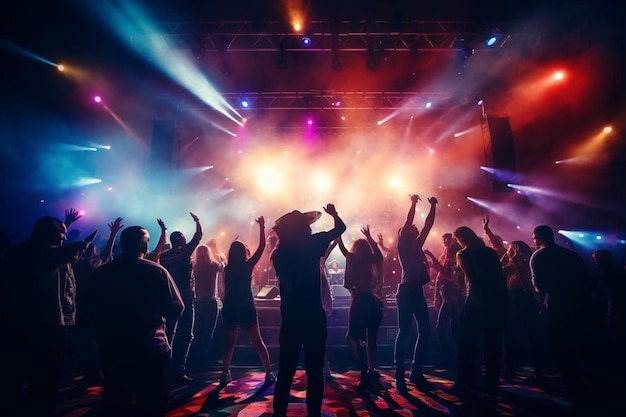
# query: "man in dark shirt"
{"type": "Point", "coordinates": [575, 329]}
{"type": "Point", "coordinates": [178, 263]}
{"type": "Point", "coordinates": [37, 307]}
{"type": "Point", "coordinates": [296, 260]}
{"type": "Point", "coordinates": [126, 303]}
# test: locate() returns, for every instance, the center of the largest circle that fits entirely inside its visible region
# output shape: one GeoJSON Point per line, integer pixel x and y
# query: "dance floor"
{"type": "Point", "coordinates": [248, 396]}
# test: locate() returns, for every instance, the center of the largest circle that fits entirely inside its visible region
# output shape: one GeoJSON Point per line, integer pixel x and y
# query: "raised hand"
{"type": "Point", "coordinates": [89, 239]}
{"type": "Point", "coordinates": [330, 209]}
{"type": "Point", "coordinates": [116, 225]}
{"type": "Point", "coordinates": [486, 222]}
{"type": "Point", "coordinates": [366, 231]}
{"type": "Point", "coordinates": [71, 216]}
{"type": "Point", "coordinates": [194, 217]}
{"type": "Point", "coordinates": [261, 221]}
{"type": "Point", "coordinates": [161, 225]}
{"type": "Point", "coordinates": [433, 200]}
{"type": "Point", "coordinates": [414, 198]}
{"type": "Point", "coordinates": [380, 238]}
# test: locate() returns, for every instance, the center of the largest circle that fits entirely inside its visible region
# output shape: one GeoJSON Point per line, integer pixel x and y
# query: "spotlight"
{"type": "Point", "coordinates": [491, 40]}
{"type": "Point", "coordinates": [244, 102]}
{"type": "Point", "coordinates": [309, 121]}
{"type": "Point", "coordinates": [60, 67]}
{"type": "Point", "coordinates": [429, 104]}
{"type": "Point", "coordinates": [306, 41]}
{"type": "Point", "coordinates": [97, 99]}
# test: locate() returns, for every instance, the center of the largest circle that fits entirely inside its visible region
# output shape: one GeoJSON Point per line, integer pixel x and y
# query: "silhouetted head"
{"type": "Point", "coordinates": [467, 238]}
{"type": "Point", "coordinates": [520, 250]}
{"type": "Point", "coordinates": [543, 236]}
{"type": "Point", "coordinates": [295, 224]}
{"type": "Point", "coordinates": [237, 253]}
{"type": "Point", "coordinates": [410, 232]}
{"type": "Point", "coordinates": [177, 239]}
{"type": "Point", "coordinates": [49, 230]}
{"type": "Point", "coordinates": [447, 240]}
{"type": "Point", "coordinates": [134, 241]}
{"type": "Point", "coordinates": [603, 259]}
{"type": "Point", "coordinates": [360, 247]}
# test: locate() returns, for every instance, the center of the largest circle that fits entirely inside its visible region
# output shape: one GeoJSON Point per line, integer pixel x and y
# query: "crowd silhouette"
{"type": "Point", "coordinates": [137, 322]}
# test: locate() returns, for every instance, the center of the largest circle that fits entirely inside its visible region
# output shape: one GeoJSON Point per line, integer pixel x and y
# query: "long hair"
{"type": "Point", "coordinates": [237, 254]}
{"type": "Point", "coordinates": [202, 259]}
{"type": "Point", "coordinates": [361, 249]}
{"type": "Point", "coordinates": [522, 250]}
{"type": "Point", "coordinates": [467, 237]}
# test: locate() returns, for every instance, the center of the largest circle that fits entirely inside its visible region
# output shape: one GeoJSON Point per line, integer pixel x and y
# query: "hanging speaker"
{"type": "Point", "coordinates": [503, 153]}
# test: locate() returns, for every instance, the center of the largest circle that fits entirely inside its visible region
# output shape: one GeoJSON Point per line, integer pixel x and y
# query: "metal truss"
{"type": "Point", "coordinates": [343, 35]}
{"type": "Point", "coordinates": [328, 100]}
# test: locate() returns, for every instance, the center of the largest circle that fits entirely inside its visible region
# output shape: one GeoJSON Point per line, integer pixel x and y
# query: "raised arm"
{"type": "Point", "coordinates": [340, 226]}
{"type": "Point", "coordinates": [330, 249]}
{"type": "Point", "coordinates": [342, 247]}
{"type": "Point", "coordinates": [372, 242]}
{"type": "Point", "coordinates": [496, 243]}
{"type": "Point", "coordinates": [254, 259]}
{"type": "Point", "coordinates": [198, 235]}
{"type": "Point", "coordinates": [156, 253]}
{"type": "Point", "coordinates": [434, 260]}
{"type": "Point", "coordinates": [430, 220]}
{"type": "Point", "coordinates": [381, 243]}
{"type": "Point", "coordinates": [107, 252]}
{"type": "Point", "coordinates": [71, 215]}
{"type": "Point", "coordinates": [410, 216]}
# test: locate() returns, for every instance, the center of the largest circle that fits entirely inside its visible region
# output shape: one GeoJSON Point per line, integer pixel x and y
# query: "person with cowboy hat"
{"type": "Point", "coordinates": [296, 260]}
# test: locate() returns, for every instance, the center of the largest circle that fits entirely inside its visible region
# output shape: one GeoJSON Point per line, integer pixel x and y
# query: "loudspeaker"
{"type": "Point", "coordinates": [339, 291]}
{"type": "Point", "coordinates": [268, 292]}
{"type": "Point", "coordinates": [162, 146]}
{"type": "Point", "coordinates": [503, 153]}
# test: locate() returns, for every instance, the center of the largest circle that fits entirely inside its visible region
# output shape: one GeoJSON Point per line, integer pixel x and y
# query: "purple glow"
{"type": "Point", "coordinates": [309, 121]}
{"type": "Point", "coordinates": [97, 99]}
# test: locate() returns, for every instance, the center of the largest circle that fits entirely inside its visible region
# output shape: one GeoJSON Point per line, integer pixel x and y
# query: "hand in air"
{"type": "Point", "coordinates": [330, 209]}
{"type": "Point", "coordinates": [116, 225]}
{"type": "Point", "coordinates": [72, 215]}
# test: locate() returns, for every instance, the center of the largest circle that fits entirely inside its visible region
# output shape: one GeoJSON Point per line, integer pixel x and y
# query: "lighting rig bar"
{"type": "Point", "coordinates": [315, 100]}
{"type": "Point", "coordinates": [344, 35]}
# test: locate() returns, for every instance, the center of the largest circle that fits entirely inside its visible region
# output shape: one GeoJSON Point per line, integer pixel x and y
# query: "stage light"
{"type": "Point", "coordinates": [480, 102]}
{"type": "Point", "coordinates": [429, 104]}
{"type": "Point", "coordinates": [244, 102]}
{"type": "Point", "coordinates": [97, 99]}
{"type": "Point", "coordinates": [607, 129]}
{"type": "Point", "coordinates": [559, 75]}
{"type": "Point", "coordinates": [297, 27]}
{"type": "Point", "coordinates": [309, 121]}
{"type": "Point", "coordinates": [491, 40]}
{"type": "Point", "coordinates": [60, 67]}
{"type": "Point", "coordinates": [306, 41]}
